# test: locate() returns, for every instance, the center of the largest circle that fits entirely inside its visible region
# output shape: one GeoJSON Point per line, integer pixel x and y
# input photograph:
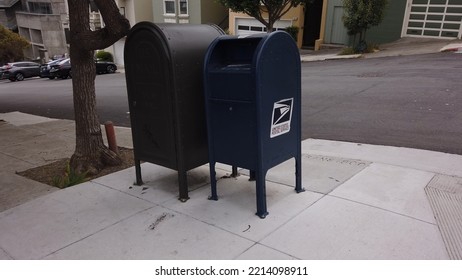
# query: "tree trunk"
{"type": "Point", "coordinates": [90, 155]}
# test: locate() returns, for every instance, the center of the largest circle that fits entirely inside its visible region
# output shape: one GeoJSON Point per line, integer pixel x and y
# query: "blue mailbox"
{"type": "Point", "coordinates": [253, 106]}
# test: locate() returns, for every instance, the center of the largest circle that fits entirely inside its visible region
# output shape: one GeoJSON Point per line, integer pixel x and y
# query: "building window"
{"type": "Point", "coordinates": [183, 7]}
{"type": "Point", "coordinates": [67, 34]}
{"type": "Point", "coordinates": [40, 8]}
{"type": "Point", "coordinates": [169, 6]}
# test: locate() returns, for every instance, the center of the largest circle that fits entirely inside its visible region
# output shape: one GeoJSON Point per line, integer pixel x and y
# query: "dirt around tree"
{"type": "Point", "coordinates": [45, 174]}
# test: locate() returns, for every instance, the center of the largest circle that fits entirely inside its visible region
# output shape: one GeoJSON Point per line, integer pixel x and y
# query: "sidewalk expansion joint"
{"type": "Point", "coordinates": [445, 196]}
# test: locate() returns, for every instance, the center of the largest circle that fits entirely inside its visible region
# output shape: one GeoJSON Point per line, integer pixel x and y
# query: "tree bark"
{"type": "Point", "coordinates": [90, 154]}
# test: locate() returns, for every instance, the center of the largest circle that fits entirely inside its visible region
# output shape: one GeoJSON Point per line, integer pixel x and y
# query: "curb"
{"type": "Point", "coordinates": [309, 58]}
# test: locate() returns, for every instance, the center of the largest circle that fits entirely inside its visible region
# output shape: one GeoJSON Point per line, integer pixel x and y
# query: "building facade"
{"type": "Point", "coordinates": [45, 24]}
{"type": "Point", "coordinates": [306, 18]}
{"type": "Point", "coordinates": [169, 11]}
{"type": "Point", "coordinates": [41, 23]}
{"type": "Point", "coordinates": [321, 23]}
{"type": "Point", "coordinates": [403, 18]}
{"type": "Point", "coordinates": [190, 11]}
{"type": "Point", "coordinates": [241, 24]}
{"type": "Point", "coordinates": [8, 10]}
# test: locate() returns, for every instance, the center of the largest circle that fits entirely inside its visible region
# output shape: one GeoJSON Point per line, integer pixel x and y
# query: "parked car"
{"type": "Point", "coordinates": [105, 67]}
{"type": "Point", "coordinates": [61, 69]}
{"type": "Point", "coordinates": [2, 69]}
{"type": "Point", "coordinates": [17, 71]}
{"type": "Point", "coordinates": [45, 68]}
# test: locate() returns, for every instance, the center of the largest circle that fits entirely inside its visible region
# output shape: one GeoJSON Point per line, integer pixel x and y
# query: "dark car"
{"type": "Point", "coordinates": [45, 68]}
{"type": "Point", "coordinates": [17, 71]}
{"type": "Point", "coordinates": [2, 69]}
{"type": "Point", "coordinates": [61, 70]}
{"type": "Point", "coordinates": [105, 67]}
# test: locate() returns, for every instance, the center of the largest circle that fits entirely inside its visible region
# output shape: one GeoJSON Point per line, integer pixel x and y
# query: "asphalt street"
{"type": "Point", "coordinates": [407, 101]}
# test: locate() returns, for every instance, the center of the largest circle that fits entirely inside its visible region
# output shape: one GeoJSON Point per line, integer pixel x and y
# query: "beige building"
{"type": "Point", "coordinates": [241, 24]}
{"type": "Point", "coordinates": [168, 11]}
{"type": "Point", "coordinates": [308, 20]}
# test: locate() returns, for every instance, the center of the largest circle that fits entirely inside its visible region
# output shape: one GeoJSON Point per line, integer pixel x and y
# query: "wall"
{"type": "Point", "coordinates": [4, 19]}
{"type": "Point", "coordinates": [143, 10]}
{"type": "Point", "coordinates": [137, 10]}
{"type": "Point", "coordinates": [334, 33]}
{"type": "Point", "coordinates": [31, 26]}
{"type": "Point", "coordinates": [214, 12]}
{"type": "Point", "coordinates": [8, 14]}
{"type": "Point", "coordinates": [389, 30]}
{"type": "Point", "coordinates": [158, 10]}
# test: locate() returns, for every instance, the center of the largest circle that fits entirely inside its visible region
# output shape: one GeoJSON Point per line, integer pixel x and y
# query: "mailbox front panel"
{"type": "Point", "coordinates": [278, 79]}
{"type": "Point", "coordinates": [150, 102]}
{"type": "Point", "coordinates": [233, 132]}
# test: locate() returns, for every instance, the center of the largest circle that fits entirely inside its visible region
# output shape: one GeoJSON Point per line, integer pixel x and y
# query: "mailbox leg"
{"type": "Point", "coordinates": [261, 195]}
{"type": "Point", "coordinates": [183, 183]}
{"type": "Point", "coordinates": [213, 182]}
{"type": "Point", "coordinates": [139, 180]}
{"type": "Point", "coordinates": [252, 175]}
{"type": "Point", "coordinates": [298, 175]}
{"type": "Point", "coordinates": [234, 173]}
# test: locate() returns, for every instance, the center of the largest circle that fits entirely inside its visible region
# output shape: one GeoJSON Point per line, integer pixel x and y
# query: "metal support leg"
{"type": "Point", "coordinates": [298, 175]}
{"type": "Point", "coordinates": [213, 182]}
{"type": "Point", "coordinates": [252, 175]}
{"type": "Point", "coordinates": [139, 180]}
{"type": "Point", "coordinates": [234, 173]}
{"type": "Point", "coordinates": [261, 195]}
{"type": "Point", "coordinates": [183, 184]}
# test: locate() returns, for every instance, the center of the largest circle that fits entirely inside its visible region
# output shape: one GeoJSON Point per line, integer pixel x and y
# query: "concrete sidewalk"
{"type": "Point", "coordinates": [362, 202]}
{"type": "Point", "coordinates": [403, 46]}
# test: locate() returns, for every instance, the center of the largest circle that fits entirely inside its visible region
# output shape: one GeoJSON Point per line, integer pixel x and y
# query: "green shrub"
{"type": "Point", "coordinates": [360, 48]}
{"type": "Point", "coordinates": [104, 56]}
{"type": "Point", "coordinates": [69, 178]}
{"type": "Point", "coordinates": [347, 51]}
{"type": "Point", "coordinates": [372, 47]}
{"type": "Point", "coordinates": [293, 32]}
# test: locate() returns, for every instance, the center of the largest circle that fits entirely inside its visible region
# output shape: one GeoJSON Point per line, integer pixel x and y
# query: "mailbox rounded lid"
{"type": "Point", "coordinates": [176, 39]}
{"type": "Point", "coordinates": [229, 50]}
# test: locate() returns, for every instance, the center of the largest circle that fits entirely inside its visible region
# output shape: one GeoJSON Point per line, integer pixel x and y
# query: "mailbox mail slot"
{"type": "Point", "coordinates": [253, 105]}
{"type": "Point", "coordinates": [164, 73]}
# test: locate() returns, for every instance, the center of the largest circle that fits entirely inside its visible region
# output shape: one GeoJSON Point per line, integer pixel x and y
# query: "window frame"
{"type": "Point", "coordinates": [43, 8]}
{"type": "Point", "coordinates": [179, 7]}
{"type": "Point", "coordinates": [165, 7]}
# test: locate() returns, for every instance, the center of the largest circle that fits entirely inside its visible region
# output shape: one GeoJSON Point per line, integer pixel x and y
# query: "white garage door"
{"type": "Point", "coordinates": [247, 26]}
{"type": "Point", "coordinates": [433, 18]}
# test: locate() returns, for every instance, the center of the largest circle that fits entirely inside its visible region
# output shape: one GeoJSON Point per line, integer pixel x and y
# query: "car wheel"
{"type": "Point", "coordinates": [110, 69]}
{"type": "Point", "coordinates": [51, 78]}
{"type": "Point", "coordinates": [64, 77]}
{"type": "Point", "coordinates": [19, 76]}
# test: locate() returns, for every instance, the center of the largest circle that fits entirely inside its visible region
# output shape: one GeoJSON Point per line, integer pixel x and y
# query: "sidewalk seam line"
{"type": "Point", "coordinates": [383, 209]}
{"type": "Point", "coordinates": [96, 232]}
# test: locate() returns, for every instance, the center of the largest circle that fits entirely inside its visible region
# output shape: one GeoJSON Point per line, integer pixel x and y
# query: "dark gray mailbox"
{"type": "Point", "coordinates": [253, 101]}
{"type": "Point", "coordinates": [164, 73]}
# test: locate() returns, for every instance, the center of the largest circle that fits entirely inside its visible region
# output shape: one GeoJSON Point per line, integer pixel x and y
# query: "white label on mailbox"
{"type": "Point", "coordinates": [282, 116]}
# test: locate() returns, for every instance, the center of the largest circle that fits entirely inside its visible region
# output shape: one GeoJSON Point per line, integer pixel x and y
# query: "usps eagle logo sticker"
{"type": "Point", "coordinates": [282, 116]}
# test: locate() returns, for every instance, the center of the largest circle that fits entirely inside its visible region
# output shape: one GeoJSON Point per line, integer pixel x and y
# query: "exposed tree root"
{"type": "Point", "coordinates": [93, 164]}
